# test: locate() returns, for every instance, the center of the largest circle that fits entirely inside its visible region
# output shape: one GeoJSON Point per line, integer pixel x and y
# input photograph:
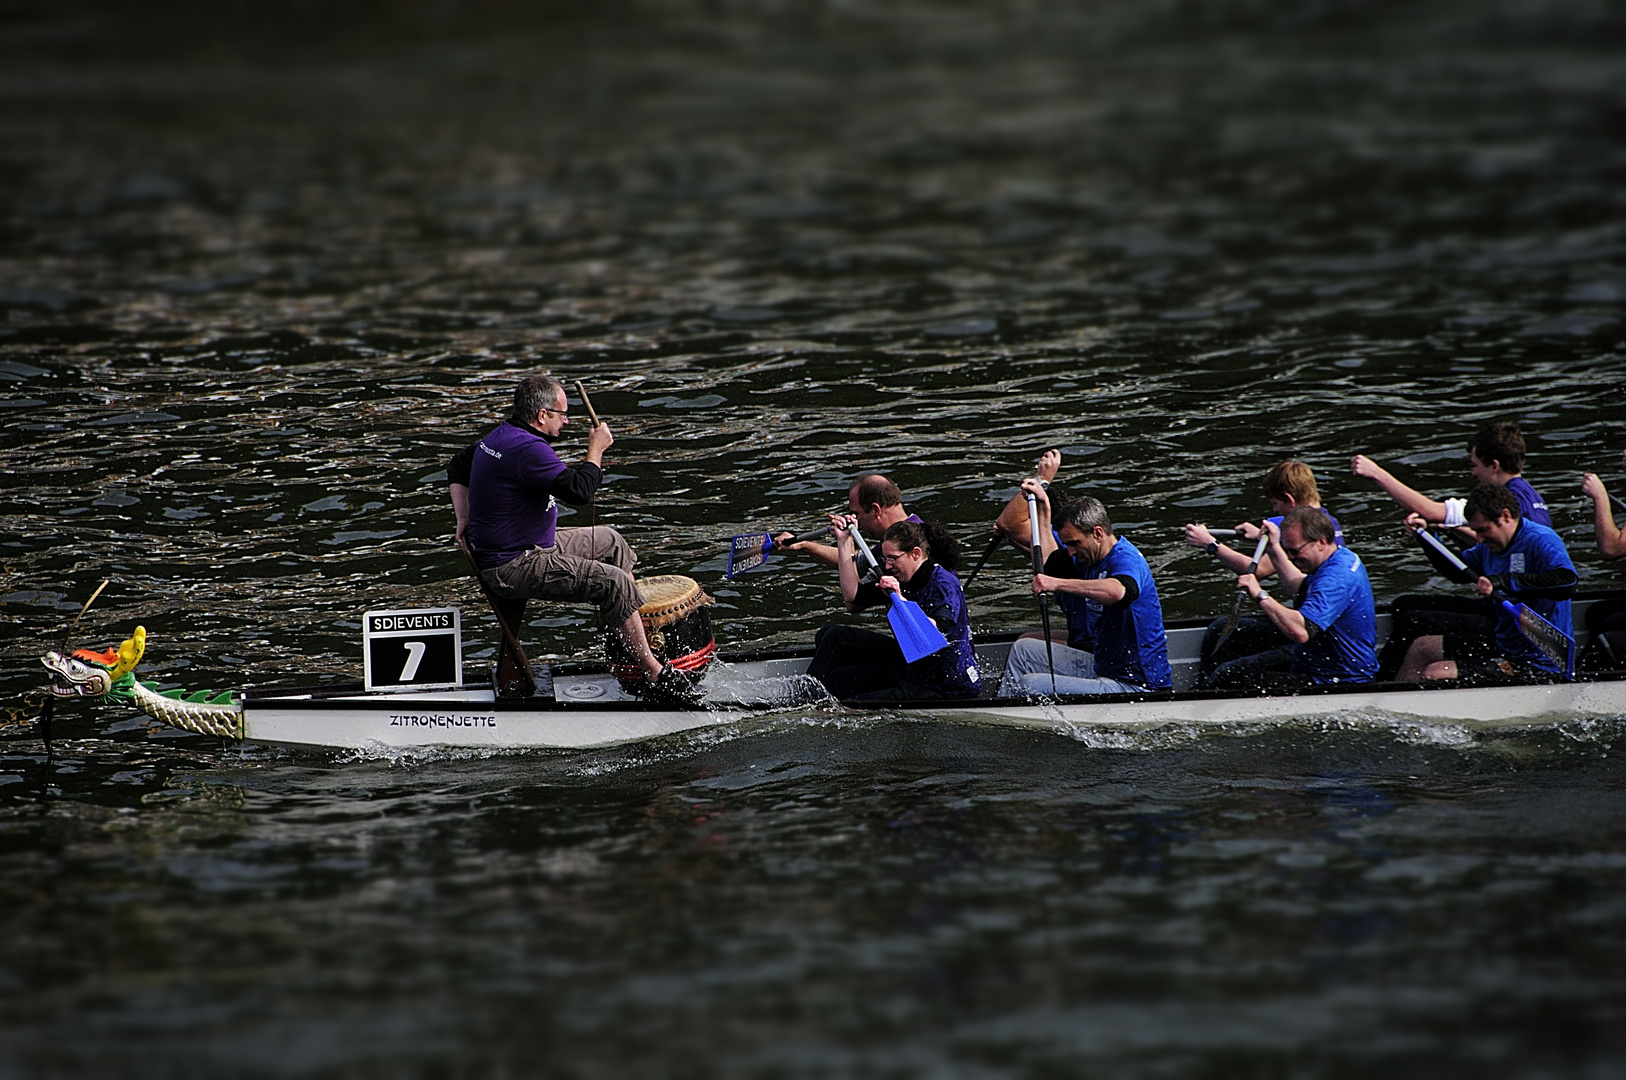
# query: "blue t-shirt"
{"type": "Point", "coordinates": [1080, 614]}
{"type": "Point", "coordinates": [1337, 529]}
{"type": "Point", "coordinates": [1126, 638]}
{"type": "Point", "coordinates": [1338, 600]}
{"type": "Point", "coordinates": [1531, 506]}
{"type": "Point", "coordinates": [1534, 548]}
{"type": "Point", "coordinates": [511, 505]}
{"type": "Point", "coordinates": [951, 671]}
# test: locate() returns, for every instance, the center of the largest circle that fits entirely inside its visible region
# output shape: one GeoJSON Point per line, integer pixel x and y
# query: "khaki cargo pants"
{"type": "Point", "coordinates": [584, 566]}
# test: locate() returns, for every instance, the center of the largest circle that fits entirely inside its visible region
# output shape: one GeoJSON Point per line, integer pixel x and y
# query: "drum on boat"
{"type": "Point", "coordinates": [676, 623]}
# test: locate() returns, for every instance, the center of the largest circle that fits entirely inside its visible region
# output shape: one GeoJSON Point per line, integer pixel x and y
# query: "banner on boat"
{"type": "Point", "coordinates": [417, 649]}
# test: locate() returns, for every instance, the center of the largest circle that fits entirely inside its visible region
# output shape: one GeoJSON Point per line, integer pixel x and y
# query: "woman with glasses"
{"type": "Point", "coordinates": [919, 560]}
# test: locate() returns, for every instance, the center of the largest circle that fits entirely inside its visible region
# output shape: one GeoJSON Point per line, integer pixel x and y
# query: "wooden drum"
{"type": "Point", "coordinates": [676, 623]}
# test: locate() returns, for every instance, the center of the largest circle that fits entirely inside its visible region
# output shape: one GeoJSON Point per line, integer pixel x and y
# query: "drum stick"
{"type": "Point", "coordinates": [587, 403]}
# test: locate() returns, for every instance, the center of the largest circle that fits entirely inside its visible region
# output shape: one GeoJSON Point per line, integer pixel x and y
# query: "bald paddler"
{"type": "Point", "coordinates": [876, 504]}
{"type": "Point", "coordinates": [506, 489]}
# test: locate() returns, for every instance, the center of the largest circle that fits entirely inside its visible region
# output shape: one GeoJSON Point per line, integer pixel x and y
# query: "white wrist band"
{"type": "Point", "coordinates": [1453, 513]}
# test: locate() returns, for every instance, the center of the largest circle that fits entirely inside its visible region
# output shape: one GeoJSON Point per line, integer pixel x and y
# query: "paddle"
{"type": "Point", "coordinates": [1242, 594]}
{"type": "Point", "coordinates": [751, 550]}
{"type": "Point", "coordinates": [1548, 639]}
{"type": "Point", "coordinates": [1044, 597]}
{"type": "Point", "coordinates": [993, 543]}
{"type": "Point", "coordinates": [917, 635]}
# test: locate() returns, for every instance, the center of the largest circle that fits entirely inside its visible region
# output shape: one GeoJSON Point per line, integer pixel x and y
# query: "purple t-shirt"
{"type": "Point", "coordinates": [511, 505]}
{"type": "Point", "coordinates": [1531, 506]}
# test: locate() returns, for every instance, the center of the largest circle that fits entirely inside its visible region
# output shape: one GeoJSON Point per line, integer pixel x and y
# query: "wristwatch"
{"type": "Point", "coordinates": [1262, 597]}
{"type": "Point", "coordinates": [1213, 547]}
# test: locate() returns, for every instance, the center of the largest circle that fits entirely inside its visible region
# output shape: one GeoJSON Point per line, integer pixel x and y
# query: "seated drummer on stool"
{"type": "Point", "coordinates": [505, 491]}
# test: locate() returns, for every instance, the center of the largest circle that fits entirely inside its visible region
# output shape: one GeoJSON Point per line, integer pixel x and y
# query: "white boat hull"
{"type": "Point", "coordinates": [581, 707]}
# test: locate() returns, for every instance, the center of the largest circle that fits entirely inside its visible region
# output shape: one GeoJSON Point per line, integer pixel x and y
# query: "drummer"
{"type": "Point", "coordinates": [512, 481]}
{"type": "Point", "coordinates": [861, 665]}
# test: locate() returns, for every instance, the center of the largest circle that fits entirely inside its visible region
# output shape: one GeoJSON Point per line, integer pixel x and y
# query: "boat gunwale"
{"type": "Point", "coordinates": [355, 696]}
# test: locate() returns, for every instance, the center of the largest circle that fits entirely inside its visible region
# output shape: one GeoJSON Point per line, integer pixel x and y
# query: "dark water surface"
{"type": "Point", "coordinates": [262, 272]}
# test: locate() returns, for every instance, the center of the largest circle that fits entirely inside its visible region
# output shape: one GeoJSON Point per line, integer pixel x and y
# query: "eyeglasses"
{"type": "Point", "coordinates": [888, 560]}
{"type": "Point", "coordinates": [1293, 552]}
{"type": "Point", "coordinates": [557, 412]}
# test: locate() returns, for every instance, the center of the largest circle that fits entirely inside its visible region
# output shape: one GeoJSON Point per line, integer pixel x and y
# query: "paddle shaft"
{"type": "Point", "coordinates": [1044, 597]}
{"type": "Point", "coordinates": [993, 543]}
{"type": "Point", "coordinates": [1242, 594]}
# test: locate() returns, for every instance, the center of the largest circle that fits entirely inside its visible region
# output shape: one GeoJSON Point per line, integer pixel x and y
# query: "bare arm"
{"type": "Point", "coordinates": [1285, 619]}
{"type": "Point", "coordinates": [1414, 502]}
{"type": "Point", "coordinates": [460, 507]}
{"type": "Point", "coordinates": [845, 570]}
{"type": "Point", "coordinates": [1233, 560]}
{"type": "Point", "coordinates": [1611, 537]}
{"type": "Point", "coordinates": [824, 553]}
{"type": "Point", "coordinates": [1107, 591]}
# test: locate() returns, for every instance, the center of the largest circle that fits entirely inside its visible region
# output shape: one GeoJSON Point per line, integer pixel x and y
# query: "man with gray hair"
{"type": "Point", "coordinates": [505, 491]}
{"type": "Point", "coordinates": [1115, 641]}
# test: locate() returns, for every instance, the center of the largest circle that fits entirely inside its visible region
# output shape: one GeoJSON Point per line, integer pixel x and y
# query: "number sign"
{"type": "Point", "coordinates": [421, 649]}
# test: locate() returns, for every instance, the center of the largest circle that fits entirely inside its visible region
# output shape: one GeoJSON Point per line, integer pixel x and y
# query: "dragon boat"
{"type": "Point", "coordinates": [579, 705]}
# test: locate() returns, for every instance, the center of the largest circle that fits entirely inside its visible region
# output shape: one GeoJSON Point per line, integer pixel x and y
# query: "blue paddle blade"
{"type": "Point", "coordinates": [748, 552]}
{"type": "Point", "coordinates": [917, 635]}
{"type": "Point", "coordinates": [1548, 639]}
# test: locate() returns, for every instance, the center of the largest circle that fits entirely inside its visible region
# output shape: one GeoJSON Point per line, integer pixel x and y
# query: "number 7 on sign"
{"type": "Point", "coordinates": [415, 651]}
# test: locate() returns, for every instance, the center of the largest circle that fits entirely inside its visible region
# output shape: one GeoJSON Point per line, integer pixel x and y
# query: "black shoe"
{"type": "Point", "coordinates": [674, 687]}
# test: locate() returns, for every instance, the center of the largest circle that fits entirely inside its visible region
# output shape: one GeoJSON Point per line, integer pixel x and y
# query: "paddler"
{"type": "Point", "coordinates": [1611, 536]}
{"type": "Point", "coordinates": [1012, 523]}
{"type": "Point", "coordinates": [1495, 456]}
{"type": "Point", "coordinates": [1332, 628]}
{"type": "Point", "coordinates": [1524, 559]}
{"type": "Point", "coordinates": [876, 504]}
{"type": "Point", "coordinates": [506, 488]}
{"type": "Point", "coordinates": [1288, 484]}
{"type": "Point", "coordinates": [1115, 642]}
{"type": "Point", "coordinates": [920, 561]}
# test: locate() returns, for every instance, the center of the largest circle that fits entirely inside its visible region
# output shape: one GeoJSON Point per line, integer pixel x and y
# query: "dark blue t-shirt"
{"type": "Point", "coordinates": [1338, 600]}
{"type": "Point", "coordinates": [951, 671]}
{"type": "Point", "coordinates": [1126, 638]}
{"type": "Point", "coordinates": [1534, 548]}
{"type": "Point", "coordinates": [1531, 506]}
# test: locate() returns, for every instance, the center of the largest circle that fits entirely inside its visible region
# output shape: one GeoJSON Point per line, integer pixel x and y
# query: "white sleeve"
{"type": "Point", "coordinates": [1453, 513]}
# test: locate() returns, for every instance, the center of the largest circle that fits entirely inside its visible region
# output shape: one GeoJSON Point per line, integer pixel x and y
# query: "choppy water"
{"type": "Point", "coordinates": [260, 278]}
